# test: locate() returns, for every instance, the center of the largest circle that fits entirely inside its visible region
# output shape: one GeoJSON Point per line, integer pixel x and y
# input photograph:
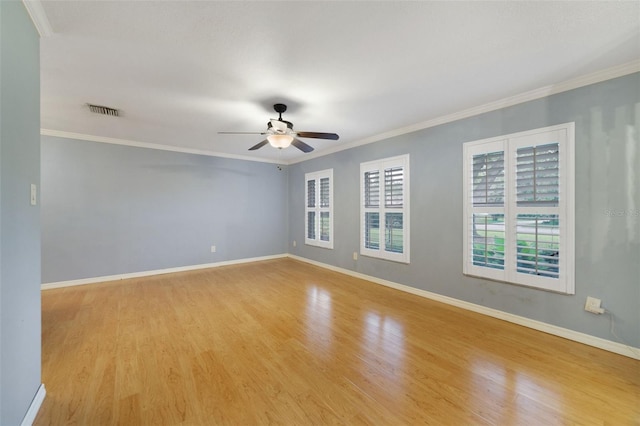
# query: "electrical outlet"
{"type": "Point", "coordinates": [213, 249]}
{"type": "Point", "coordinates": [355, 255]}
{"type": "Point", "coordinates": [294, 243]}
{"type": "Point", "coordinates": [593, 305]}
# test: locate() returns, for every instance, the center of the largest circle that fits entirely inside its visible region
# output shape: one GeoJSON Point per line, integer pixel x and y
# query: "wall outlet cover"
{"type": "Point", "coordinates": [593, 305]}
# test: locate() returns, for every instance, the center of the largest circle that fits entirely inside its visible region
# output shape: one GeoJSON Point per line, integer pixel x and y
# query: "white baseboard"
{"type": "Point", "coordinates": [32, 412]}
{"type": "Point", "coordinates": [576, 336]}
{"type": "Point", "coordinates": [83, 281]}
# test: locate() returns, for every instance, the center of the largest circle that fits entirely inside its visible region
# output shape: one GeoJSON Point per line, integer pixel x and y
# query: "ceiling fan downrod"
{"type": "Point", "coordinates": [280, 108]}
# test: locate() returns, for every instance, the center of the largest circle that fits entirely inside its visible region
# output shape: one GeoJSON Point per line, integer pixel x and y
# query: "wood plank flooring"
{"type": "Point", "coordinates": [283, 342]}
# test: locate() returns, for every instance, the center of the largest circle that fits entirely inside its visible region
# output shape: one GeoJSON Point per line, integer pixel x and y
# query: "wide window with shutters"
{"type": "Point", "coordinates": [384, 189]}
{"type": "Point", "coordinates": [319, 208]}
{"type": "Point", "coordinates": [519, 208]}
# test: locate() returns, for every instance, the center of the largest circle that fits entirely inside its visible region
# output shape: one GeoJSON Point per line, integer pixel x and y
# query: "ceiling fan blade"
{"type": "Point", "coordinates": [259, 145]}
{"type": "Point", "coordinates": [301, 145]}
{"type": "Point", "coordinates": [241, 133]}
{"type": "Point", "coordinates": [317, 135]}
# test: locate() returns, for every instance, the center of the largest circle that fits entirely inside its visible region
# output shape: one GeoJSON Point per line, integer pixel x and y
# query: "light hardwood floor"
{"type": "Point", "coordinates": [283, 342]}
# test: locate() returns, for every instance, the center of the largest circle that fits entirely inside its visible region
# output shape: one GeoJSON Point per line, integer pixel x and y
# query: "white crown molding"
{"type": "Point", "coordinates": [114, 141]}
{"type": "Point", "coordinates": [542, 92]}
{"type": "Point", "coordinates": [38, 17]}
{"type": "Point", "coordinates": [94, 280]}
{"type": "Point", "coordinates": [576, 336]}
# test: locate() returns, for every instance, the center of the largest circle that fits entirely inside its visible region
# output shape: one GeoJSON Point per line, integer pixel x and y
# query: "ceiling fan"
{"type": "Point", "coordinates": [280, 134]}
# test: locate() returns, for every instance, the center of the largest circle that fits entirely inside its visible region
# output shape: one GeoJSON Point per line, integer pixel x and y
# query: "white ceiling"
{"type": "Point", "coordinates": [181, 71]}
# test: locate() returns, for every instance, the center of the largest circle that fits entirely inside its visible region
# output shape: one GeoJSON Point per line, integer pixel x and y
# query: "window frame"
{"type": "Point", "coordinates": [380, 166]}
{"type": "Point", "coordinates": [564, 134]}
{"type": "Point", "coordinates": [317, 209]}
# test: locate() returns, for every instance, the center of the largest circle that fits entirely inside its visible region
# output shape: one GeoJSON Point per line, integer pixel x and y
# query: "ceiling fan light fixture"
{"type": "Point", "coordinates": [280, 134]}
{"type": "Point", "coordinates": [280, 141]}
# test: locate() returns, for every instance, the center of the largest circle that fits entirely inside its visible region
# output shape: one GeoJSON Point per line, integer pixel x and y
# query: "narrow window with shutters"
{"type": "Point", "coordinates": [518, 208]}
{"type": "Point", "coordinates": [319, 208]}
{"type": "Point", "coordinates": [384, 209]}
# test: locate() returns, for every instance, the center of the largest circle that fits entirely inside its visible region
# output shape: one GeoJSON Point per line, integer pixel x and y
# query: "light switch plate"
{"type": "Point", "coordinates": [34, 199]}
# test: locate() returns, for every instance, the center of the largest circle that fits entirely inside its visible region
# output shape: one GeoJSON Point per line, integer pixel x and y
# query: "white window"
{"type": "Point", "coordinates": [318, 220]}
{"type": "Point", "coordinates": [384, 201]}
{"type": "Point", "coordinates": [519, 208]}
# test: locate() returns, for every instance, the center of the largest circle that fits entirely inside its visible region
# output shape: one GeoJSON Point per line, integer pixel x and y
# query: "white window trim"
{"type": "Point", "coordinates": [317, 176]}
{"type": "Point", "coordinates": [381, 165]}
{"type": "Point", "coordinates": [565, 134]}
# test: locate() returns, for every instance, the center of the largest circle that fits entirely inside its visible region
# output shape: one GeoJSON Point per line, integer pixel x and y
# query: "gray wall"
{"type": "Point", "coordinates": [113, 209]}
{"type": "Point", "coordinates": [19, 220]}
{"type": "Point", "coordinates": [607, 117]}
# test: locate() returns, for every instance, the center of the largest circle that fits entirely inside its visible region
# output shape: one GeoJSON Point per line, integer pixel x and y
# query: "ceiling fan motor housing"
{"type": "Point", "coordinates": [282, 130]}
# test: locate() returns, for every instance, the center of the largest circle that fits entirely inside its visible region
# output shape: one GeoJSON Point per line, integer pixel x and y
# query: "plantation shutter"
{"type": "Point", "coordinates": [538, 175]}
{"type": "Point", "coordinates": [311, 212]}
{"type": "Point", "coordinates": [518, 208]}
{"type": "Point", "coordinates": [488, 179]}
{"type": "Point", "coordinates": [537, 195]}
{"type": "Point", "coordinates": [393, 200]}
{"type": "Point", "coordinates": [324, 192]}
{"type": "Point", "coordinates": [485, 223]}
{"type": "Point", "coordinates": [372, 189]}
{"type": "Point", "coordinates": [319, 208]}
{"type": "Point", "coordinates": [372, 217]}
{"type": "Point", "coordinates": [385, 230]}
{"type": "Point", "coordinates": [538, 245]}
{"type": "Point", "coordinates": [325, 216]}
{"type": "Point", "coordinates": [393, 179]}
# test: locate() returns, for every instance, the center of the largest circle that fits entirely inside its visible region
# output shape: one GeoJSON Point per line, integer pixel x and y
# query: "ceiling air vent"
{"type": "Point", "coordinates": [99, 109]}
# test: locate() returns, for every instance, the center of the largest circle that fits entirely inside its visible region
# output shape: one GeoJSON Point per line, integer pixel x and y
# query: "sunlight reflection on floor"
{"type": "Point", "coordinates": [319, 320]}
